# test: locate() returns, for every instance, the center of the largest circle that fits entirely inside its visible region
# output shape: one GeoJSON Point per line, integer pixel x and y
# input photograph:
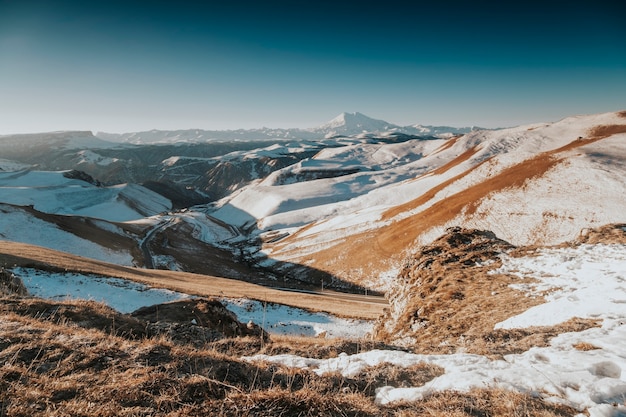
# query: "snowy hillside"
{"type": "Point", "coordinates": [585, 369]}
{"type": "Point", "coordinates": [19, 225]}
{"type": "Point", "coordinates": [487, 245]}
{"type": "Point", "coordinates": [354, 210]}
{"type": "Point", "coordinates": [582, 368]}
{"type": "Point", "coordinates": [59, 193]}
{"type": "Point", "coordinates": [60, 140]}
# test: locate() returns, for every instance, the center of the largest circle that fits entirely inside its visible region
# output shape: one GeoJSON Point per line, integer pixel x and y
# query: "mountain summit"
{"type": "Point", "coordinates": [354, 124]}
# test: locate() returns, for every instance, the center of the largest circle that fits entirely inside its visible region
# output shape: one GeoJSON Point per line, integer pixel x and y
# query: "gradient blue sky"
{"type": "Point", "coordinates": [128, 66]}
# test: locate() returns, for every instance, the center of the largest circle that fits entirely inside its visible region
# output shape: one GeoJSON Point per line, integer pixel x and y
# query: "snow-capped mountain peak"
{"type": "Point", "coordinates": [353, 124]}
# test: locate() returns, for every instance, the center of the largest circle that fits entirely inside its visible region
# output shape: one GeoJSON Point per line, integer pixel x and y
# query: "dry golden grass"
{"type": "Point", "coordinates": [446, 145]}
{"type": "Point", "coordinates": [601, 132]}
{"type": "Point", "coordinates": [450, 302]}
{"type": "Point", "coordinates": [585, 347]}
{"type": "Point", "coordinates": [321, 348]}
{"type": "Point", "coordinates": [372, 251]}
{"type": "Point", "coordinates": [611, 233]}
{"type": "Point", "coordinates": [56, 368]}
{"type": "Point", "coordinates": [482, 403]}
{"type": "Point", "coordinates": [20, 254]}
{"type": "Point", "coordinates": [386, 374]}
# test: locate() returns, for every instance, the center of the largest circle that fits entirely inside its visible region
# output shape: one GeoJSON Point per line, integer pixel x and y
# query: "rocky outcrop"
{"type": "Point", "coordinates": [440, 286]}
{"type": "Point", "coordinates": [82, 176]}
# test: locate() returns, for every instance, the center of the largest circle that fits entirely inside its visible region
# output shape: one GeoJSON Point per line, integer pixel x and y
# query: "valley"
{"type": "Point", "coordinates": [482, 265]}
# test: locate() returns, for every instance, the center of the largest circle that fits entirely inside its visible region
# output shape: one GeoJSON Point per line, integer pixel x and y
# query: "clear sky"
{"type": "Point", "coordinates": [121, 66]}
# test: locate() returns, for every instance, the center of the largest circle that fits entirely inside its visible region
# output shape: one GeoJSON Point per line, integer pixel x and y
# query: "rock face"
{"type": "Point", "coordinates": [440, 286]}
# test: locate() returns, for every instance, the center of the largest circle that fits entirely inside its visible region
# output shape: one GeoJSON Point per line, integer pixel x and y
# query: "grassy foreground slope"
{"type": "Point", "coordinates": [57, 365]}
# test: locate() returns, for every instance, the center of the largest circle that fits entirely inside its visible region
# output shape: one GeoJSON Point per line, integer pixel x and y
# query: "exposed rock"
{"type": "Point", "coordinates": [83, 176]}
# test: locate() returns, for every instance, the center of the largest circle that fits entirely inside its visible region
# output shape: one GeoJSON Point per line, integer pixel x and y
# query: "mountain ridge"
{"type": "Point", "coordinates": [345, 124]}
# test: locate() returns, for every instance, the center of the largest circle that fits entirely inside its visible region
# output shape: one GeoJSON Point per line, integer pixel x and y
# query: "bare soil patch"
{"type": "Point", "coordinates": [604, 131]}
{"type": "Point", "coordinates": [447, 145]}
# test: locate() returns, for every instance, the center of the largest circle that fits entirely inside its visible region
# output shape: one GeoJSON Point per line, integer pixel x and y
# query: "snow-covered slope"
{"type": "Point", "coordinates": [353, 206]}
{"type": "Point", "coordinates": [59, 193]}
{"type": "Point", "coordinates": [18, 225]}
{"type": "Point", "coordinates": [355, 210]}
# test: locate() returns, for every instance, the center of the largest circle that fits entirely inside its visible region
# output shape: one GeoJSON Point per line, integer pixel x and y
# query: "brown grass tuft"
{"type": "Point", "coordinates": [585, 347]}
{"type": "Point", "coordinates": [318, 347]}
{"type": "Point", "coordinates": [374, 377]}
{"type": "Point", "coordinates": [483, 402]}
{"type": "Point", "coordinates": [612, 233]}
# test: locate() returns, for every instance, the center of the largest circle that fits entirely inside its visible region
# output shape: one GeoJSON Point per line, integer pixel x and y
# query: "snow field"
{"type": "Point", "coordinates": [285, 320]}
{"type": "Point", "coordinates": [51, 192]}
{"type": "Point", "coordinates": [588, 281]}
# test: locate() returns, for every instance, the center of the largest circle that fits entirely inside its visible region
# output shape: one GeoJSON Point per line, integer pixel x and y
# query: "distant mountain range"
{"type": "Point", "coordinates": [346, 124]}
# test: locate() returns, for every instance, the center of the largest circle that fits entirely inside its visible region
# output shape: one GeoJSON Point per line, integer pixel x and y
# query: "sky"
{"type": "Point", "coordinates": [138, 65]}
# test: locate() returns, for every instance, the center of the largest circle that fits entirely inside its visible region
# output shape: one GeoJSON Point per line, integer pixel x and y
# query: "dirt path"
{"type": "Point", "coordinates": [343, 305]}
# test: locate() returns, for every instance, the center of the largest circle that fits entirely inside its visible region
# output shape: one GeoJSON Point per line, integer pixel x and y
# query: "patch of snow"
{"type": "Point", "coordinates": [123, 295]}
{"type": "Point", "coordinates": [8, 165]}
{"type": "Point", "coordinates": [587, 281]}
{"type": "Point", "coordinates": [166, 262]}
{"type": "Point", "coordinates": [90, 157]}
{"type": "Point", "coordinates": [206, 230]}
{"type": "Point", "coordinates": [52, 192]}
{"type": "Point", "coordinates": [126, 296]}
{"type": "Point", "coordinates": [281, 319]}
